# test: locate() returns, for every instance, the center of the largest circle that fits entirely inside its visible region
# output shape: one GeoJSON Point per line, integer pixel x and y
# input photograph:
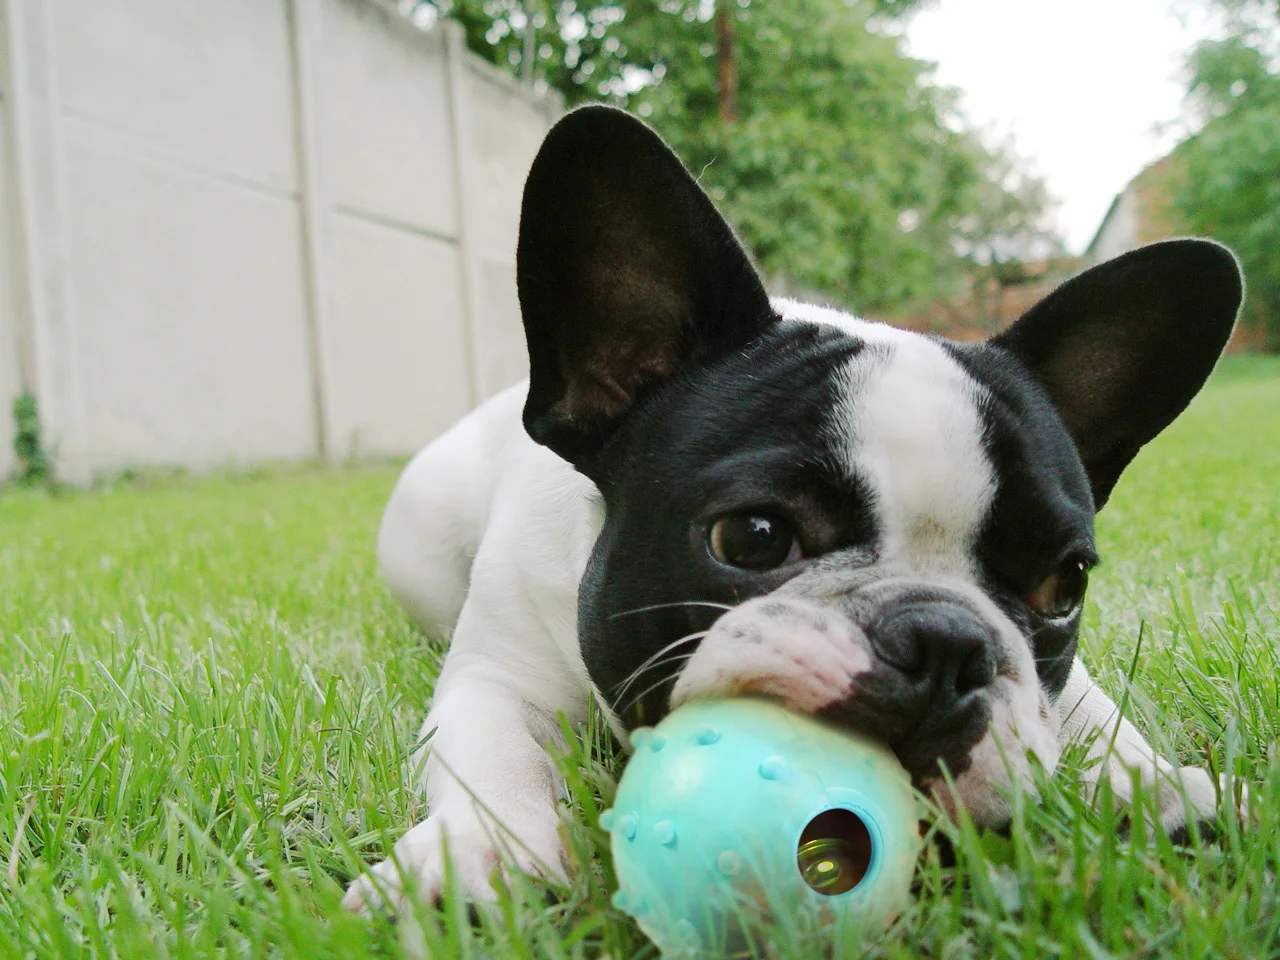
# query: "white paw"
{"type": "Point", "coordinates": [785, 648]}
{"type": "Point", "coordinates": [1204, 801]}
{"type": "Point", "coordinates": [478, 853]}
{"type": "Point", "coordinates": [1186, 795]}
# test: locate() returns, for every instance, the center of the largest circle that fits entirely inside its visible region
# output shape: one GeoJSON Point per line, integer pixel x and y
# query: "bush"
{"type": "Point", "coordinates": [34, 467]}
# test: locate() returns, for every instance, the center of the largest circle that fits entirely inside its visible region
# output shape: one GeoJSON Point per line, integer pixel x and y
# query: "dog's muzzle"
{"type": "Point", "coordinates": [927, 692]}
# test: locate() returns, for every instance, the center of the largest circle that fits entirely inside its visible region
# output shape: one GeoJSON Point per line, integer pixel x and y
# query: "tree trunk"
{"type": "Point", "coordinates": [728, 67]}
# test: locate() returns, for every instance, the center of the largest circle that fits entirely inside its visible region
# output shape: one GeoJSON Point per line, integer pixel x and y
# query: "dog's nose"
{"type": "Point", "coordinates": [927, 695]}
{"type": "Point", "coordinates": [942, 651]}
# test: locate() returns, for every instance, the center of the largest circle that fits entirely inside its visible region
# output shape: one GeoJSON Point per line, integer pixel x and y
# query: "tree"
{"type": "Point", "coordinates": [843, 166]}
{"type": "Point", "coordinates": [577, 46]}
{"type": "Point", "coordinates": [845, 169]}
{"type": "Point", "coordinates": [569, 45]}
{"type": "Point", "coordinates": [1228, 173]}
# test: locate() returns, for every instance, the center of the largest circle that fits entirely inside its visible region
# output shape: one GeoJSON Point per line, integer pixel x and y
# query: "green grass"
{"type": "Point", "coordinates": [206, 699]}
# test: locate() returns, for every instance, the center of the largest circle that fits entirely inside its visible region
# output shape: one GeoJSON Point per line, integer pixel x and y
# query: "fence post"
{"type": "Point", "coordinates": [455, 53]}
{"type": "Point", "coordinates": [306, 21]}
{"type": "Point", "coordinates": [49, 357]}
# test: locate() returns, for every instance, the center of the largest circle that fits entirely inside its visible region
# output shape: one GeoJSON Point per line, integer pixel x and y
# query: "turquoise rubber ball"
{"type": "Point", "coordinates": [738, 816]}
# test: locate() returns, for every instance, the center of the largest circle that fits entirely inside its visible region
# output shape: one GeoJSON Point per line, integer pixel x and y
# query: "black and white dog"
{"type": "Point", "coordinates": [703, 492]}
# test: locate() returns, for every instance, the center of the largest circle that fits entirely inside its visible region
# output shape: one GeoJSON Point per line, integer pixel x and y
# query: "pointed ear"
{"type": "Point", "coordinates": [1123, 347]}
{"type": "Point", "coordinates": [627, 276]}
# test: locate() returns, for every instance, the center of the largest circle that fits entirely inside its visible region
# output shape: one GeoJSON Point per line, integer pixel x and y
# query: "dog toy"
{"type": "Point", "coordinates": [736, 813]}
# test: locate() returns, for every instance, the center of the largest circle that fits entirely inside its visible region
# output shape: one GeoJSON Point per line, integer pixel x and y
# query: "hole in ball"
{"type": "Point", "coordinates": [834, 852]}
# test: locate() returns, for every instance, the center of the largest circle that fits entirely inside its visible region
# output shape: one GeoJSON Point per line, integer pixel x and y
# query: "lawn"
{"type": "Point", "coordinates": [206, 698]}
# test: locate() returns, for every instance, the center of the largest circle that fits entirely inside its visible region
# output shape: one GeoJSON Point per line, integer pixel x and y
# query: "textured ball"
{"type": "Point", "coordinates": [734, 813]}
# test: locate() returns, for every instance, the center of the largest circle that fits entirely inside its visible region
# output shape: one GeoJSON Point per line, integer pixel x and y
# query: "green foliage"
{"type": "Point", "coordinates": [569, 45]}
{"type": "Point", "coordinates": [208, 698]}
{"type": "Point", "coordinates": [1228, 183]}
{"type": "Point", "coordinates": [586, 49]}
{"type": "Point", "coordinates": [34, 467]}
{"type": "Point", "coordinates": [848, 171]}
{"type": "Point", "coordinates": [845, 169]}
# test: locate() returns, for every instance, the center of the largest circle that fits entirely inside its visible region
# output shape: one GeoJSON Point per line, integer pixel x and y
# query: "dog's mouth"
{"type": "Point", "coordinates": [936, 672]}
{"type": "Point", "coordinates": [935, 746]}
{"type": "Point", "coordinates": [929, 752]}
{"type": "Point", "coordinates": [927, 694]}
{"type": "Point", "coordinates": [917, 676]}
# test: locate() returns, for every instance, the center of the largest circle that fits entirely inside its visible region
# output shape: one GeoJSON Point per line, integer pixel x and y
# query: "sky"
{"type": "Point", "coordinates": [1090, 90]}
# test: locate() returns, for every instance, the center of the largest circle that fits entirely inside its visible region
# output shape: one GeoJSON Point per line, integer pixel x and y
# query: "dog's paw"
{"type": "Point", "coordinates": [478, 855]}
{"type": "Point", "coordinates": [1187, 800]}
{"type": "Point", "coordinates": [1195, 805]}
{"type": "Point", "coordinates": [783, 648]}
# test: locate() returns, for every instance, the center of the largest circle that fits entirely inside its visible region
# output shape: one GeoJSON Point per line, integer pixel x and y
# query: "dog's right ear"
{"type": "Point", "coordinates": [627, 276]}
{"type": "Point", "coordinates": [1122, 348]}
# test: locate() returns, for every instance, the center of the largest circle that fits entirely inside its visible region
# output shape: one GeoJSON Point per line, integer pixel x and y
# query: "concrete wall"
{"type": "Point", "coordinates": [253, 230]}
{"type": "Point", "coordinates": [11, 374]}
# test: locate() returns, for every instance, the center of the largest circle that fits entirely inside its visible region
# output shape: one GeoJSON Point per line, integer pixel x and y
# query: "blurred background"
{"type": "Point", "coordinates": [274, 230]}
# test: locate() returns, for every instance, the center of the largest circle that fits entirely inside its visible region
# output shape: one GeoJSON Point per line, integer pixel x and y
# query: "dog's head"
{"type": "Point", "coordinates": [883, 528]}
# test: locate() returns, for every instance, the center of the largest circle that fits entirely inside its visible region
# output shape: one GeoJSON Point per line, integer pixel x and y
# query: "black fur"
{"type": "Point", "coordinates": [660, 370]}
{"type": "Point", "coordinates": [739, 433]}
{"type": "Point", "coordinates": [1043, 508]}
{"type": "Point", "coordinates": [626, 275]}
{"type": "Point", "coordinates": [1122, 348]}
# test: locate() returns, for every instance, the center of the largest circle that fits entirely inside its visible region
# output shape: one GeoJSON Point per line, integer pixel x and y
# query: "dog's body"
{"type": "Point", "coordinates": [702, 492]}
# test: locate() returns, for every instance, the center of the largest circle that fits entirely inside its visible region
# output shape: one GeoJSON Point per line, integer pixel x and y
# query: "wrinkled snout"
{"type": "Point", "coordinates": [934, 661]}
{"type": "Point", "coordinates": [913, 668]}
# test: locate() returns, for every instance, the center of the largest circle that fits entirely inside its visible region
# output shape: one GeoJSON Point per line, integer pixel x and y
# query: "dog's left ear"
{"type": "Point", "coordinates": [627, 277]}
{"type": "Point", "coordinates": [1122, 348]}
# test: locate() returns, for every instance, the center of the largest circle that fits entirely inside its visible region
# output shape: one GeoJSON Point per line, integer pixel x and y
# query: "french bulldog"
{"type": "Point", "coordinates": [704, 492]}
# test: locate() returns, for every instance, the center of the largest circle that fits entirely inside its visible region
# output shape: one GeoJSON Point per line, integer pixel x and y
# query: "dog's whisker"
{"type": "Point", "coordinates": [656, 660]}
{"type": "Point", "coordinates": [654, 686]}
{"type": "Point", "coordinates": [678, 603]}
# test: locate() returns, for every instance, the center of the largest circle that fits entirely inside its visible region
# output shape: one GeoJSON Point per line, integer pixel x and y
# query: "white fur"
{"type": "Point", "coordinates": [1117, 750]}
{"type": "Point", "coordinates": [909, 420]}
{"type": "Point", "coordinates": [486, 536]}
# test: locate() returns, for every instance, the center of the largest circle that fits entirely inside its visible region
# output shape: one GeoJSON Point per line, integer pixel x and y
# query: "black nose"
{"type": "Point", "coordinates": [942, 651]}
{"type": "Point", "coordinates": [926, 695]}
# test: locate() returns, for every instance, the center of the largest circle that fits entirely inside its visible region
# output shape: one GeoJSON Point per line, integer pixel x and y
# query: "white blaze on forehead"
{"type": "Point", "coordinates": [909, 425]}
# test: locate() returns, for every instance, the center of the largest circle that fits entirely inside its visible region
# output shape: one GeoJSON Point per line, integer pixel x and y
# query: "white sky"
{"type": "Point", "coordinates": [1082, 87]}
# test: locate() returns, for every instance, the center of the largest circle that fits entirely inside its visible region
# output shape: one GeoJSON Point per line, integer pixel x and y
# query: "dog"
{"type": "Point", "coordinates": [704, 492]}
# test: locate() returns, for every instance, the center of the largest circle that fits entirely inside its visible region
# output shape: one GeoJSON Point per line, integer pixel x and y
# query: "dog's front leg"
{"type": "Point", "coordinates": [1117, 750]}
{"type": "Point", "coordinates": [491, 786]}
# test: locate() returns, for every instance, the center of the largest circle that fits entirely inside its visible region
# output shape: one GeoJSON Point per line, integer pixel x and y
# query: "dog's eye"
{"type": "Point", "coordinates": [754, 541]}
{"type": "Point", "coordinates": [1061, 593]}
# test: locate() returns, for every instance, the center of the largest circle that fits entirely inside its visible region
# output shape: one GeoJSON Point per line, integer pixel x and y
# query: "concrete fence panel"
{"type": "Point", "coordinates": [208, 85]}
{"type": "Point", "coordinates": [190, 316]}
{"type": "Point", "coordinates": [385, 118]}
{"type": "Point", "coordinates": [400, 369]}
{"type": "Point", "coordinates": [253, 230]}
{"type": "Point", "coordinates": [11, 351]}
{"type": "Point", "coordinates": [504, 135]}
{"type": "Point", "coordinates": [396, 339]}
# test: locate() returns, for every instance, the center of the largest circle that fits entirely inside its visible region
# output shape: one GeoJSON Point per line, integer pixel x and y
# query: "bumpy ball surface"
{"type": "Point", "coordinates": [737, 812]}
